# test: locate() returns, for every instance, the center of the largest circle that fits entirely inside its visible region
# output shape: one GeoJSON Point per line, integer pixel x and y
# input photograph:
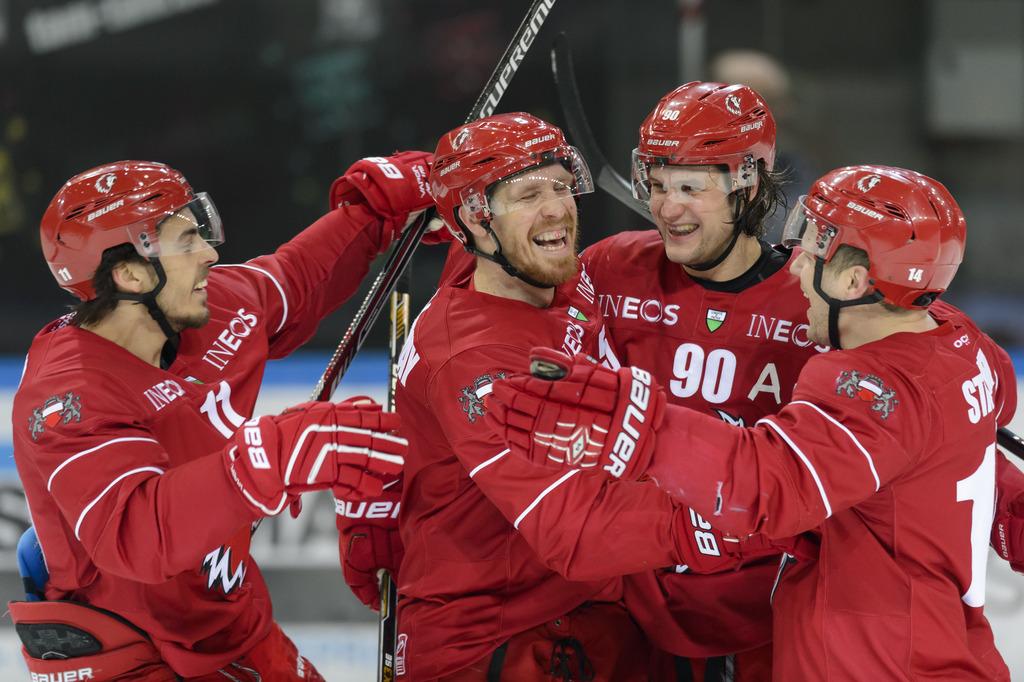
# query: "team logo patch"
{"type": "Point", "coordinates": [56, 410]}
{"type": "Point", "coordinates": [869, 389]}
{"type": "Point", "coordinates": [714, 319]}
{"type": "Point", "coordinates": [471, 397]}
{"type": "Point", "coordinates": [225, 567]}
{"type": "Point", "coordinates": [105, 182]}
{"type": "Point", "coordinates": [575, 313]}
{"type": "Point", "coordinates": [866, 183]}
{"type": "Point", "coordinates": [729, 418]}
{"type": "Point", "coordinates": [460, 139]}
{"type": "Point", "coordinates": [732, 103]}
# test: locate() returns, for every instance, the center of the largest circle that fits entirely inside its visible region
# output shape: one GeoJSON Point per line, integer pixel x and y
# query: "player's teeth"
{"type": "Point", "coordinates": [552, 237]}
{"type": "Point", "coordinates": [681, 230]}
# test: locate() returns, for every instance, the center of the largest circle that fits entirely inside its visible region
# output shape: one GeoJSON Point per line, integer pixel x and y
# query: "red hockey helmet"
{"type": "Point", "coordinates": [119, 203]}
{"type": "Point", "coordinates": [700, 124]}
{"type": "Point", "coordinates": [909, 225]}
{"type": "Point", "coordinates": [472, 158]}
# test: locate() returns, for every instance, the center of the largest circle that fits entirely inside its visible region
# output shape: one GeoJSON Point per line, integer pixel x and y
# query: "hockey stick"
{"type": "Point", "coordinates": [401, 254]}
{"type": "Point", "coordinates": [581, 134]}
{"type": "Point", "coordinates": [1010, 441]}
{"type": "Point", "coordinates": [387, 624]}
{"type": "Point", "coordinates": [619, 188]}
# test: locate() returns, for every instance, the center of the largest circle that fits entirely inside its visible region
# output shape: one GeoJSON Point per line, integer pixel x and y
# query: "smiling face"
{"type": "Point", "coordinates": [841, 279]}
{"type": "Point", "coordinates": [186, 260]}
{"type": "Point", "coordinates": [535, 219]}
{"type": "Point", "coordinates": [802, 266]}
{"type": "Point", "coordinates": [692, 210]}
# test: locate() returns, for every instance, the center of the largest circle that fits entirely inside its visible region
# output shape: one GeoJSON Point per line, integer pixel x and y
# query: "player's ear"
{"type": "Point", "coordinates": [132, 276]}
{"type": "Point", "coordinates": [473, 224]}
{"type": "Point", "coordinates": [854, 282]}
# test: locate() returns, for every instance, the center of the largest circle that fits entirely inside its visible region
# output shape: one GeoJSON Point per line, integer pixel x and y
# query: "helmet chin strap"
{"type": "Point", "coordinates": [736, 230]}
{"type": "Point", "coordinates": [707, 265]}
{"type": "Point", "coordinates": [148, 299]}
{"type": "Point", "coordinates": [835, 305]}
{"type": "Point", "coordinates": [499, 258]}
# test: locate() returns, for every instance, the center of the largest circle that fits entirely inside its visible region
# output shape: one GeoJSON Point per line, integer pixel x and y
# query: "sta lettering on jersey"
{"type": "Point", "coordinates": [979, 391]}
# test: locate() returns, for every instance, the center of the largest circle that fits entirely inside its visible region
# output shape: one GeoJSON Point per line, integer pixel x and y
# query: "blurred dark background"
{"type": "Point", "coordinates": [262, 103]}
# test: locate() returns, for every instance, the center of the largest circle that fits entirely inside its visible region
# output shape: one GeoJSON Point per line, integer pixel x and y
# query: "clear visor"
{"type": "Point", "coordinates": [193, 227]}
{"type": "Point", "coordinates": [808, 232]}
{"type": "Point", "coordinates": [656, 176]}
{"type": "Point", "coordinates": [561, 176]}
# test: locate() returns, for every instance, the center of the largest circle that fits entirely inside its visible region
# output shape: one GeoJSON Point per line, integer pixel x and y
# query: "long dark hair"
{"type": "Point", "coordinates": [94, 310]}
{"type": "Point", "coordinates": [752, 213]}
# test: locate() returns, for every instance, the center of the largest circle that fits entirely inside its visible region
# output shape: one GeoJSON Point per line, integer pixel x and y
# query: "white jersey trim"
{"type": "Point", "coordinates": [487, 463]}
{"type": "Point", "coordinates": [543, 494]}
{"type": "Point", "coordinates": [803, 458]}
{"type": "Point", "coordinates": [83, 453]}
{"type": "Point", "coordinates": [117, 480]}
{"type": "Point", "coordinates": [867, 455]}
{"type": "Point", "coordinates": [280, 289]}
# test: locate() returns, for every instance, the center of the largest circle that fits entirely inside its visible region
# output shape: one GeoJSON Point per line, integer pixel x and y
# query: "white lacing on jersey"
{"type": "Point", "coordinates": [803, 458]}
{"type": "Point", "coordinates": [83, 453]}
{"type": "Point", "coordinates": [487, 463]}
{"type": "Point", "coordinates": [117, 480]}
{"type": "Point", "coordinates": [280, 289]}
{"type": "Point", "coordinates": [543, 494]}
{"type": "Point", "coordinates": [863, 451]}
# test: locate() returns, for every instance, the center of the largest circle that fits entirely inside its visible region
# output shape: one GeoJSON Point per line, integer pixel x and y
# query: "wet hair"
{"type": "Point", "coordinates": [754, 212]}
{"type": "Point", "coordinates": [94, 310]}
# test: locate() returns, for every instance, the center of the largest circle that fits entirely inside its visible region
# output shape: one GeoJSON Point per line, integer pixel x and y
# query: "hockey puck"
{"type": "Point", "coordinates": [543, 369]}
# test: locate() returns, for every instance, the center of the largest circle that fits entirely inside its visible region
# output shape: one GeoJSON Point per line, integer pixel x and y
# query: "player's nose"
{"type": "Point", "coordinates": [796, 265]}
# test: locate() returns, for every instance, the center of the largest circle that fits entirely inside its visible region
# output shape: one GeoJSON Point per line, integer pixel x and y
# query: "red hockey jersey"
{"type": "Point", "coordinates": [888, 450]}
{"type": "Point", "coordinates": [130, 516]}
{"type": "Point", "coordinates": [488, 537]}
{"type": "Point", "coordinates": [734, 352]}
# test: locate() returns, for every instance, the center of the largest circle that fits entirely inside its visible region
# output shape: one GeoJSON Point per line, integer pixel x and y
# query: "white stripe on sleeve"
{"type": "Point", "coordinates": [117, 480]}
{"type": "Point", "coordinates": [803, 458]}
{"type": "Point", "coordinates": [83, 453]}
{"type": "Point", "coordinates": [280, 289]}
{"type": "Point", "coordinates": [543, 494]}
{"type": "Point", "coordinates": [488, 462]}
{"type": "Point", "coordinates": [867, 455]}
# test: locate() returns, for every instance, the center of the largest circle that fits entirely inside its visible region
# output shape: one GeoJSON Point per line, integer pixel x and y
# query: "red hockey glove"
{"type": "Point", "coordinates": [1008, 526]}
{"type": "Point", "coordinates": [368, 540]}
{"type": "Point", "coordinates": [395, 189]}
{"type": "Point", "coordinates": [314, 446]}
{"type": "Point", "coordinates": [594, 416]}
{"type": "Point", "coordinates": [713, 552]}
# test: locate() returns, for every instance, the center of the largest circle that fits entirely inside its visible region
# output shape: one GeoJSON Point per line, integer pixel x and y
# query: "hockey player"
{"type": "Point", "coordinates": [886, 450]}
{"type": "Point", "coordinates": [143, 471]}
{"type": "Point", "coordinates": [489, 541]}
{"type": "Point", "coordinates": [708, 307]}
